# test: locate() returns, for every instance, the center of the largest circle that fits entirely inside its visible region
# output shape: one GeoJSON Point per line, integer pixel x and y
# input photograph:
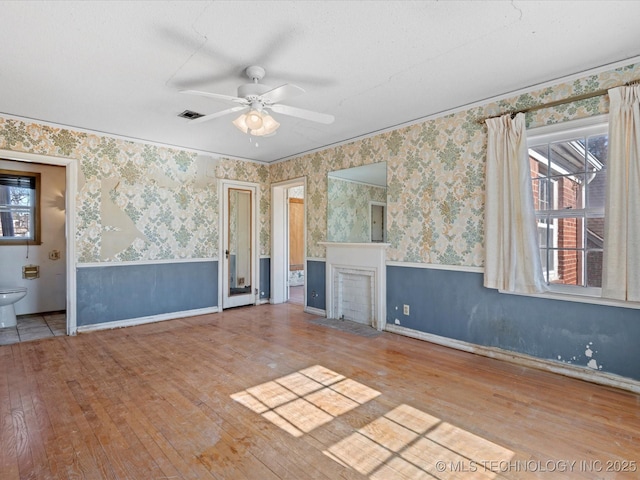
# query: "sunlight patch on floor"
{"type": "Point", "coordinates": [407, 443]}
{"type": "Point", "coordinates": [306, 399]}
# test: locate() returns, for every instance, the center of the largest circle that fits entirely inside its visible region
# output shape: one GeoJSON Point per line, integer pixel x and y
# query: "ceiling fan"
{"type": "Point", "coordinates": [257, 98]}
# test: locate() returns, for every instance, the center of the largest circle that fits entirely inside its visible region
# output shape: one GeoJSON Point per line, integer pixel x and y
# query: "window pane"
{"type": "Point", "coordinates": [565, 240]}
{"type": "Point", "coordinates": [569, 269]}
{"type": "Point", "coordinates": [598, 151]}
{"type": "Point", "coordinates": [16, 224]}
{"type": "Point", "coordinates": [596, 184]}
{"type": "Point", "coordinates": [542, 234]}
{"type": "Point", "coordinates": [568, 179]}
{"type": "Point", "coordinates": [568, 233]}
{"type": "Point", "coordinates": [546, 234]}
{"type": "Point", "coordinates": [542, 150]}
{"type": "Point", "coordinates": [545, 264]}
{"type": "Point", "coordinates": [538, 163]}
{"type": "Point", "coordinates": [542, 194]}
{"type": "Point", "coordinates": [19, 196]}
{"type": "Point", "coordinates": [594, 268]}
{"type": "Point", "coordinates": [568, 157]}
{"type": "Point", "coordinates": [595, 232]}
{"type": "Point", "coordinates": [567, 192]}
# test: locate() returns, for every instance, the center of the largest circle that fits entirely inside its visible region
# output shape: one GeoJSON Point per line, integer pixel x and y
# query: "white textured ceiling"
{"type": "Point", "coordinates": [117, 67]}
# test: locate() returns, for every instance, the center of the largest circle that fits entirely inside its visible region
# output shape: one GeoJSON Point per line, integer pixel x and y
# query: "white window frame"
{"type": "Point", "coordinates": [556, 133]}
{"type": "Point", "coordinates": [567, 292]}
{"type": "Point", "coordinates": [33, 209]}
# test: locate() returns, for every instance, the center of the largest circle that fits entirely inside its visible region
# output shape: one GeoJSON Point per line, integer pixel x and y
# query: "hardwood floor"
{"type": "Point", "coordinates": [261, 393]}
{"type": "Point", "coordinates": [296, 294]}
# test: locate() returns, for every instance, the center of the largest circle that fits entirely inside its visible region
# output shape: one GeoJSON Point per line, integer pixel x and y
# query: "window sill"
{"type": "Point", "coordinates": [31, 243]}
{"type": "Point", "coordinates": [590, 296]}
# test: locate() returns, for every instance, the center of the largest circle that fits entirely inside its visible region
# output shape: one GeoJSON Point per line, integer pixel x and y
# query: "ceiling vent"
{"type": "Point", "coordinates": [191, 115]}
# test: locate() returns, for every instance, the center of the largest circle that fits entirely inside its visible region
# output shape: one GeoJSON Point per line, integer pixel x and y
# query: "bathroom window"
{"type": "Point", "coordinates": [19, 207]}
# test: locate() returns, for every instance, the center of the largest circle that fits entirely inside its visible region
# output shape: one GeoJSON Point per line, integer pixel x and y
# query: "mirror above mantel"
{"type": "Point", "coordinates": [356, 204]}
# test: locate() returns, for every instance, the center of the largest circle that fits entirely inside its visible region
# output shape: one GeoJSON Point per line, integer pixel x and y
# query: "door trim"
{"type": "Point", "coordinates": [255, 244]}
{"type": "Point", "coordinates": [71, 189]}
{"type": "Point", "coordinates": [280, 238]}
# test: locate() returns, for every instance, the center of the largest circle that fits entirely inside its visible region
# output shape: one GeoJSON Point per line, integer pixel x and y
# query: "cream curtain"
{"type": "Point", "coordinates": [512, 255]}
{"type": "Point", "coordinates": [621, 265]}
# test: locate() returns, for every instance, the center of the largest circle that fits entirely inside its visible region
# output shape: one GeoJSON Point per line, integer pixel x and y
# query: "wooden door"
{"type": "Point", "coordinates": [296, 234]}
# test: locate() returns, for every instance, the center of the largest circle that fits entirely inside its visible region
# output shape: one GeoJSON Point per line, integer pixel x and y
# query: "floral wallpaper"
{"type": "Point", "coordinates": [144, 202]}
{"type": "Point", "coordinates": [435, 173]}
{"type": "Point", "coordinates": [138, 201]}
{"type": "Point", "coordinates": [348, 216]}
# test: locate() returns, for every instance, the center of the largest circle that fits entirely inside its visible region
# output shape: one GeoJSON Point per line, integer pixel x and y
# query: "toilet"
{"type": "Point", "coordinates": [9, 296]}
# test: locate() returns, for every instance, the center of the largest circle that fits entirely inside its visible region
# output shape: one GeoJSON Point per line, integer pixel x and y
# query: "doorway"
{"type": "Point", "coordinates": [288, 249]}
{"type": "Point", "coordinates": [61, 203]}
{"type": "Point", "coordinates": [239, 244]}
{"type": "Point", "coordinates": [295, 197]}
{"type": "Point", "coordinates": [377, 227]}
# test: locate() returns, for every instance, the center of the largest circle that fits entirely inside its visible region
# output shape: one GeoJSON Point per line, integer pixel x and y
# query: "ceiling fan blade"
{"type": "Point", "coordinates": [301, 113]}
{"type": "Point", "coordinates": [217, 96]}
{"type": "Point", "coordinates": [218, 114]}
{"type": "Point", "coordinates": [282, 92]}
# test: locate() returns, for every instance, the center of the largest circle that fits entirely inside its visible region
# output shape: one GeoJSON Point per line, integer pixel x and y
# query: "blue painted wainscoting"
{"type": "Point", "coordinates": [110, 293]}
{"type": "Point", "coordinates": [265, 278]}
{"type": "Point", "coordinates": [455, 305]}
{"type": "Point", "coordinates": [315, 282]}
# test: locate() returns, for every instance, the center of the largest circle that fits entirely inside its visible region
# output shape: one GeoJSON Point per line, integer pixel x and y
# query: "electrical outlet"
{"type": "Point", "coordinates": [405, 309]}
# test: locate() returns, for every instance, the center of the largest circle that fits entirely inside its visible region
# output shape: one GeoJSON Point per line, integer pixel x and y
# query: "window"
{"type": "Point", "coordinates": [19, 207]}
{"type": "Point", "coordinates": [568, 175]}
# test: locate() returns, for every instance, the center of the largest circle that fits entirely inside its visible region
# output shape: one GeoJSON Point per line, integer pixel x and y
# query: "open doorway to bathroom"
{"type": "Point", "coordinates": [39, 264]}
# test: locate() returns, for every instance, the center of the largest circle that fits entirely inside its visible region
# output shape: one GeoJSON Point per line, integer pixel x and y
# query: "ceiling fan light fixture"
{"type": "Point", "coordinates": [268, 124]}
{"type": "Point", "coordinates": [241, 123]}
{"type": "Point", "coordinates": [254, 120]}
{"type": "Point", "coordinates": [255, 98]}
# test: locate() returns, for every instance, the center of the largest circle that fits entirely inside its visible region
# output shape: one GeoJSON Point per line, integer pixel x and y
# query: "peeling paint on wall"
{"type": "Point", "coordinates": [119, 231]}
{"type": "Point", "coordinates": [589, 352]}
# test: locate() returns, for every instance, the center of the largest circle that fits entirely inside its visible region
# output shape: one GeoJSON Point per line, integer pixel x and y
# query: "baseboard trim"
{"type": "Point", "coordinates": [130, 322]}
{"type": "Point", "coordinates": [593, 376]}
{"type": "Point", "coordinates": [315, 311]}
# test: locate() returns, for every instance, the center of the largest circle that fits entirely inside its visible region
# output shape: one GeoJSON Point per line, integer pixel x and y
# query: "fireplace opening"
{"type": "Point", "coordinates": [355, 295]}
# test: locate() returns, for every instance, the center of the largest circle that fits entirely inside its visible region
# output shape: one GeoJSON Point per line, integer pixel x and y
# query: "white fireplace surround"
{"type": "Point", "coordinates": [361, 266]}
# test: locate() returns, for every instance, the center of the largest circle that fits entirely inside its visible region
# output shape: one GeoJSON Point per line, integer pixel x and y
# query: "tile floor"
{"type": "Point", "coordinates": [35, 327]}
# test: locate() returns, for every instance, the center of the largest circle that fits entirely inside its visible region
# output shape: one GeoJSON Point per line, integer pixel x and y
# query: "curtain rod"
{"type": "Point", "coordinates": [584, 96]}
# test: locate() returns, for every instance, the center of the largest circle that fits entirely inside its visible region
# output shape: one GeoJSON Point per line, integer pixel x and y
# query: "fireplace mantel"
{"type": "Point", "coordinates": [370, 259]}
